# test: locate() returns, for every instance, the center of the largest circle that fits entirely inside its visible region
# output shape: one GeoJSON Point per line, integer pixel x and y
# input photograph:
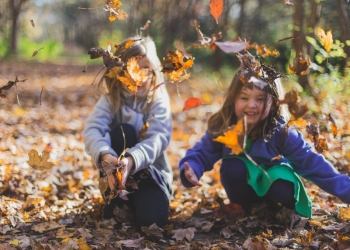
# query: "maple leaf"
{"type": "Point", "coordinates": [180, 234]}
{"type": "Point", "coordinates": [231, 137]}
{"type": "Point", "coordinates": [216, 8]}
{"type": "Point", "coordinates": [262, 50]}
{"type": "Point", "coordinates": [39, 162]}
{"type": "Point", "coordinates": [191, 103]}
{"type": "Point", "coordinates": [134, 76]}
{"type": "Point", "coordinates": [300, 65]}
{"type": "Point", "coordinates": [327, 39]}
{"type": "Point", "coordinates": [176, 64]}
{"type": "Point", "coordinates": [296, 109]}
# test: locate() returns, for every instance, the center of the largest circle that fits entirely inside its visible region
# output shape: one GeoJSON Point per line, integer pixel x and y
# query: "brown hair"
{"type": "Point", "coordinates": [226, 117]}
{"type": "Point", "coordinates": [140, 47]}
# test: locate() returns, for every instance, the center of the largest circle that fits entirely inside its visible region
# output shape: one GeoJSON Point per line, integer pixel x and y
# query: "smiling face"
{"type": "Point", "coordinates": [251, 103]}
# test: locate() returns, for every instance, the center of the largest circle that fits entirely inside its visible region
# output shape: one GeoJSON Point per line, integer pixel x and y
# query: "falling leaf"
{"type": "Point", "coordinates": [191, 103]}
{"type": "Point", "coordinates": [216, 8]}
{"type": "Point", "coordinates": [180, 234]}
{"type": "Point", "coordinates": [296, 109]}
{"type": "Point", "coordinates": [111, 7]}
{"type": "Point", "coordinates": [262, 50]}
{"type": "Point", "coordinates": [300, 65]}
{"type": "Point", "coordinates": [176, 64]}
{"type": "Point", "coordinates": [179, 46]}
{"type": "Point", "coordinates": [36, 52]}
{"type": "Point", "coordinates": [133, 76]}
{"type": "Point", "coordinates": [333, 126]}
{"type": "Point", "coordinates": [288, 2]}
{"type": "Point", "coordinates": [39, 162]}
{"type": "Point", "coordinates": [327, 39]}
{"type": "Point", "coordinates": [276, 158]}
{"type": "Point", "coordinates": [206, 41]}
{"type": "Point", "coordinates": [287, 38]}
{"type": "Point", "coordinates": [146, 25]}
{"type": "Point", "coordinates": [144, 130]}
{"type": "Point", "coordinates": [32, 23]}
{"type": "Point", "coordinates": [231, 137]}
{"type": "Point", "coordinates": [9, 85]}
{"type": "Point", "coordinates": [232, 46]}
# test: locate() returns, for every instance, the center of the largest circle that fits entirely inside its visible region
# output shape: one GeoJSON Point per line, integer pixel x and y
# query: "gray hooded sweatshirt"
{"type": "Point", "coordinates": [148, 153]}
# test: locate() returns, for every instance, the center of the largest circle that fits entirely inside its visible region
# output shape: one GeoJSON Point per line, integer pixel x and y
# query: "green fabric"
{"type": "Point", "coordinates": [261, 179]}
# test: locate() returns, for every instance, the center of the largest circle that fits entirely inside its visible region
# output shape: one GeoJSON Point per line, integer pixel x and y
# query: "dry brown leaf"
{"type": "Point", "coordinates": [39, 162]}
{"type": "Point", "coordinates": [180, 234]}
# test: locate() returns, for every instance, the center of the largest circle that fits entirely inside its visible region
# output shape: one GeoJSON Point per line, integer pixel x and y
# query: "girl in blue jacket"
{"type": "Point", "coordinates": [254, 94]}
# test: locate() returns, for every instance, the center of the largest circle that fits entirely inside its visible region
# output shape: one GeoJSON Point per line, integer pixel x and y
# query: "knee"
{"type": "Point", "coordinates": [160, 219]}
{"type": "Point", "coordinates": [232, 170]}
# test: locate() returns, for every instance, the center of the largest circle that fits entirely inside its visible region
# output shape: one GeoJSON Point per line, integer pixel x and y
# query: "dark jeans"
{"type": "Point", "coordinates": [233, 174]}
{"type": "Point", "coordinates": [149, 203]}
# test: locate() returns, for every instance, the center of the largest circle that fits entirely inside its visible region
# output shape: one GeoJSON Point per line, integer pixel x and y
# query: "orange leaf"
{"type": "Point", "coordinates": [327, 39]}
{"type": "Point", "coordinates": [191, 103]}
{"type": "Point", "coordinates": [262, 50]}
{"type": "Point", "coordinates": [216, 8]}
{"type": "Point", "coordinates": [231, 138]}
{"type": "Point", "coordinates": [300, 65]}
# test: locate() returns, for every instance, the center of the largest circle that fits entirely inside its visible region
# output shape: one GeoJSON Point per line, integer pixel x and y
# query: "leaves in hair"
{"type": "Point", "coordinates": [110, 61]}
{"type": "Point", "coordinates": [300, 65]}
{"type": "Point", "coordinates": [191, 103]}
{"type": "Point", "coordinates": [206, 41]}
{"type": "Point", "coordinates": [216, 8]}
{"type": "Point", "coordinates": [262, 50]}
{"type": "Point", "coordinates": [133, 76]}
{"type": "Point", "coordinates": [327, 39]}
{"type": "Point", "coordinates": [176, 64]}
{"type": "Point", "coordinates": [232, 138]}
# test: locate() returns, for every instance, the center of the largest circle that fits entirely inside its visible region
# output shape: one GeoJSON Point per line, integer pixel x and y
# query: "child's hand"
{"type": "Point", "coordinates": [128, 165]}
{"type": "Point", "coordinates": [190, 175]}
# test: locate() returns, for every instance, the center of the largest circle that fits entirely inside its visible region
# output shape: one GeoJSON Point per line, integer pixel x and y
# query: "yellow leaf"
{"type": "Point", "coordinates": [344, 213]}
{"type": "Point", "coordinates": [113, 3]}
{"type": "Point", "coordinates": [39, 162]}
{"type": "Point", "coordinates": [113, 72]}
{"type": "Point", "coordinates": [14, 243]}
{"type": "Point", "coordinates": [327, 39]}
{"type": "Point", "coordinates": [231, 138]}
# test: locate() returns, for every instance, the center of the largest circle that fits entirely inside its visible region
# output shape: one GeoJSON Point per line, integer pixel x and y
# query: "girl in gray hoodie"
{"type": "Point", "coordinates": [139, 120]}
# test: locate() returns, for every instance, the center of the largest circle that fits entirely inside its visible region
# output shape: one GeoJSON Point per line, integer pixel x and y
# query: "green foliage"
{"type": "Point", "coordinates": [51, 51]}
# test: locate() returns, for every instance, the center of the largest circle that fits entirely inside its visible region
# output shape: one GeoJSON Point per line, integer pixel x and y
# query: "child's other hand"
{"type": "Point", "coordinates": [109, 158]}
{"type": "Point", "coordinates": [190, 175]}
{"type": "Point", "coordinates": [128, 165]}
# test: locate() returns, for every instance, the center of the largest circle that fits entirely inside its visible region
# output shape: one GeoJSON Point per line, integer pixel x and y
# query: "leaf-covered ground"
{"type": "Point", "coordinates": [60, 207]}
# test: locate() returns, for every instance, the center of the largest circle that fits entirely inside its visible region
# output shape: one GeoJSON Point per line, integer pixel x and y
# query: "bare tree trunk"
{"type": "Point", "coordinates": [299, 44]}
{"type": "Point", "coordinates": [344, 24]}
{"type": "Point", "coordinates": [15, 8]}
{"type": "Point", "coordinates": [314, 17]}
{"type": "Point", "coordinates": [240, 24]}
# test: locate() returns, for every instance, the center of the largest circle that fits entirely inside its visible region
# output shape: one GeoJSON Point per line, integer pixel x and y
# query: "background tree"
{"type": "Point", "coordinates": [16, 7]}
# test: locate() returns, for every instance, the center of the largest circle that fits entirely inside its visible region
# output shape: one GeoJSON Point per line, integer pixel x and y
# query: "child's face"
{"type": "Point", "coordinates": [250, 103]}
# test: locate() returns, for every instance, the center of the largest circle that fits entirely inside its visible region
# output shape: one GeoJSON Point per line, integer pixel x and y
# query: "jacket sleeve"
{"type": "Point", "coordinates": [202, 157]}
{"type": "Point", "coordinates": [96, 132]}
{"type": "Point", "coordinates": [157, 136]}
{"type": "Point", "coordinates": [313, 166]}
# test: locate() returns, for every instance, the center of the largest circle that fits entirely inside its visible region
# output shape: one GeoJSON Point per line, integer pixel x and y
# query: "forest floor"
{"type": "Point", "coordinates": [60, 207]}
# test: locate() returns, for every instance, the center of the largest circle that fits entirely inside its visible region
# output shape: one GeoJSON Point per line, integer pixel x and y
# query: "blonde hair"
{"type": "Point", "coordinates": [142, 46]}
{"type": "Point", "coordinates": [226, 117]}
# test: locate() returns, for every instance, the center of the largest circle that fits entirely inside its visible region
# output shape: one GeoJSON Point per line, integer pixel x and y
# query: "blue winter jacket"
{"type": "Point", "coordinates": [295, 150]}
